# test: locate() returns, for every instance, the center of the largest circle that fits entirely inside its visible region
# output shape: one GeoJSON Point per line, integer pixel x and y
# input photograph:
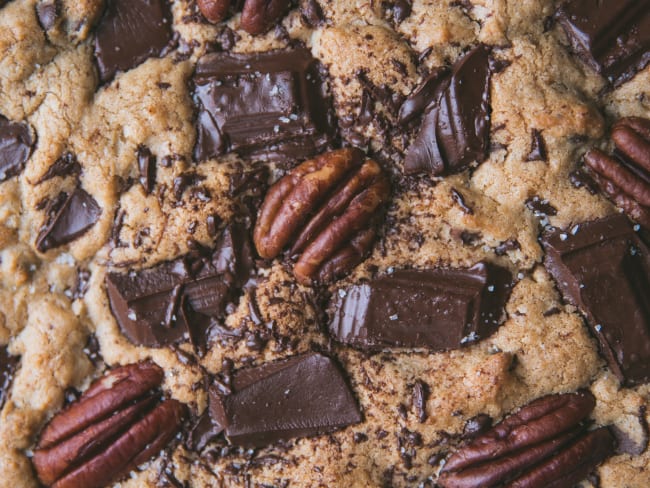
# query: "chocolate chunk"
{"type": "Point", "coordinates": [631, 433]}
{"type": "Point", "coordinates": [48, 12]}
{"type": "Point", "coordinates": [202, 433]}
{"type": "Point", "coordinates": [611, 36]}
{"type": "Point", "coordinates": [420, 394]}
{"type": "Point", "coordinates": [147, 167]}
{"type": "Point", "coordinates": [298, 397]}
{"type": "Point", "coordinates": [423, 96]}
{"type": "Point", "coordinates": [176, 300]}
{"type": "Point", "coordinates": [69, 217]}
{"type": "Point", "coordinates": [129, 32]}
{"type": "Point", "coordinates": [477, 425]}
{"type": "Point", "coordinates": [16, 145]}
{"type": "Point", "coordinates": [537, 147]}
{"type": "Point", "coordinates": [401, 10]}
{"type": "Point", "coordinates": [312, 13]}
{"type": "Point", "coordinates": [540, 207]}
{"type": "Point", "coordinates": [66, 165]}
{"type": "Point", "coordinates": [8, 366]}
{"type": "Point", "coordinates": [269, 106]}
{"type": "Point", "coordinates": [602, 267]}
{"type": "Point", "coordinates": [457, 197]}
{"type": "Point", "coordinates": [439, 309]}
{"type": "Point", "coordinates": [456, 128]}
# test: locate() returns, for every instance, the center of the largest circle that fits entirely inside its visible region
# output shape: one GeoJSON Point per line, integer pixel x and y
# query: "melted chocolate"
{"type": "Point", "coordinates": [69, 217]}
{"type": "Point", "coordinates": [602, 267]}
{"type": "Point", "coordinates": [129, 32]}
{"type": "Point", "coordinates": [298, 397]}
{"type": "Point", "coordinates": [16, 145]}
{"type": "Point", "coordinates": [611, 36]}
{"type": "Point", "coordinates": [176, 301]}
{"type": "Point", "coordinates": [456, 127]}
{"type": "Point", "coordinates": [270, 106]}
{"type": "Point", "coordinates": [438, 309]}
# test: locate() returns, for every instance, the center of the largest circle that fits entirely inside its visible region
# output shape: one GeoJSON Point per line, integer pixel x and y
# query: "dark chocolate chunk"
{"type": "Point", "coordinates": [66, 165]}
{"type": "Point", "coordinates": [269, 106]}
{"type": "Point", "coordinates": [312, 13]}
{"type": "Point", "coordinates": [69, 217]}
{"type": "Point", "coordinates": [16, 145]}
{"type": "Point", "coordinates": [611, 36]}
{"type": "Point", "coordinates": [420, 395]}
{"type": "Point", "coordinates": [476, 426]}
{"type": "Point", "coordinates": [8, 366]}
{"type": "Point", "coordinates": [129, 32]}
{"type": "Point", "coordinates": [631, 433]}
{"type": "Point", "coordinates": [202, 433]}
{"type": "Point", "coordinates": [302, 396]}
{"type": "Point", "coordinates": [439, 309]}
{"type": "Point", "coordinates": [537, 147]}
{"type": "Point", "coordinates": [455, 131]}
{"type": "Point", "coordinates": [48, 12]}
{"type": "Point", "coordinates": [176, 300]}
{"type": "Point", "coordinates": [457, 197]}
{"type": "Point", "coordinates": [540, 207]}
{"type": "Point", "coordinates": [423, 96]}
{"type": "Point", "coordinates": [147, 167]}
{"type": "Point", "coordinates": [603, 268]}
{"type": "Point", "coordinates": [401, 10]}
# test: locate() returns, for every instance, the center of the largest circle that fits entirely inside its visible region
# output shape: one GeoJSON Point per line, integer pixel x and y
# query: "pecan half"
{"type": "Point", "coordinates": [543, 444]}
{"type": "Point", "coordinates": [117, 424]}
{"type": "Point", "coordinates": [258, 16]}
{"type": "Point", "coordinates": [625, 175]}
{"type": "Point", "coordinates": [326, 210]}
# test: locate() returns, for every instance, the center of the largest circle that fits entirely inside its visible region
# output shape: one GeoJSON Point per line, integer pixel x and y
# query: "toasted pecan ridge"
{"type": "Point", "coordinates": [325, 209]}
{"type": "Point", "coordinates": [117, 424]}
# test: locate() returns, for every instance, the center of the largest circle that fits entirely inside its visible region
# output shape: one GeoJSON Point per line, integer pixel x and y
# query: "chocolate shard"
{"type": "Point", "coordinates": [176, 300]}
{"type": "Point", "coordinates": [611, 36]}
{"type": "Point", "coordinates": [69, 217]}
{"type": "Point", "coordinates": [438, 309]}
{"type": "Point", "coordinates": [301, 396]}
{"type": "Point", "coordinates": [456, 127]}
{"type": "Point", "coordinates": [147, 167]}
{"type": "Point", "coordinates": [269, 106]}
{"type": "Point", "coordinates": [16, 145]}
{"type": "Point", "coordinates": [538, 150]}
{"type": "Point", "coordinates": [8, 365]}
{"type": "Point", "coordinates": [48, 12]}
{"type": "Point", "coordinates": [602, 267]}
{"type": "Point", "coordinates": [129, 32]}
{"type": "Point", "coordinates": [66, 165]}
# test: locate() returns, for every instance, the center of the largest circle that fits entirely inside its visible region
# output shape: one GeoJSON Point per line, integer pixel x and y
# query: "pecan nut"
{"type": "Point", "coordinates": [214, 10]}
{"type": "Point", "coordinates": [117, 424]}
{"type": "Point", "coordinates": [543, 444]}
{"type": "Point", "coordinates": [258, 16]}
{"type": "Point", "coordinates": [625, 175]}
{"type": "Point", "coordinates": [326, 210]}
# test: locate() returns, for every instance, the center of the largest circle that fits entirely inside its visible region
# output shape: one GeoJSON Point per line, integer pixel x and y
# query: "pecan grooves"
{"type": "Point", "coordinates": [543, 444]}
{"type": "Point", "coordinates": [326, 210]}
{"type": "Point", "coordinates": [624, 176]}
{"type": "Point", "coordinates": [117, 424]}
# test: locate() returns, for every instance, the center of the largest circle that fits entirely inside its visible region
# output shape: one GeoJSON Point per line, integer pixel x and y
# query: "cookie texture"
{"type": "Point", "coordinates": [101, 184]}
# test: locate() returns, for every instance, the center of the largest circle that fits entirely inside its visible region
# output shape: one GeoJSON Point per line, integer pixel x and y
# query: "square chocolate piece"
{"type": "Point", "coordinates": [269, 106]}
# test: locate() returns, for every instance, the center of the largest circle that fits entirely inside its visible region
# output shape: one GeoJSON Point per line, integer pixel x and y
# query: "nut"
{"type": "Point", "coordinates": [116, 425]}
{"type": "Point", "coordinates": [259, 15]}
{"type": "Point", "coordinates": [214, 10]}
{"type": "Point", "coordinates": [542, 444]}
{"type": "Point", "coordinates": [326, 209]}
{"type": "Point", "coordinates": [625, 176]}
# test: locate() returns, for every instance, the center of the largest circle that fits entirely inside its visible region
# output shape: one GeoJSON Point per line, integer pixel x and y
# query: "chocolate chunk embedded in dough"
{"type": "Point", "coordinates": [603, 268]}
{"type": "Point", "coordinates": [16, 145]}
{"type": "Point", "coordinates": [438, 309]}
{"type": "Point", "coordinates": [302, 396]}
{"type": "Point", "coordinates": [8, 366]}
{"type": "Point", "coordinates": [129, 32]}
{"type": "Point", "coordinates": [175, 301]}
{"type": "Point", "coordinates": [70, 216]}
{"type": "Point", "coordinates": [269, 106]}
{"type": "Point", "coordinates": [456, 127]}
{"type": "Point", "coordinates": [611, 36]}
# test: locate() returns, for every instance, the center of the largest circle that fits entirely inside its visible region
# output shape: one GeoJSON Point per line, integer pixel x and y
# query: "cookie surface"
{"type": "Point", "coordinates": [125, 164]}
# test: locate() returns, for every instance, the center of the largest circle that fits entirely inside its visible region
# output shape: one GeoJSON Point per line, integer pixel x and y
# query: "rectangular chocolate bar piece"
{"type": "Point", "coordinates": [301, 396]}
{"type": "Point", "coordinates": [271, 106]}
{"type": "Point", "coordinates": [603, 268]}
{"type": "Point", "coordinates": [612, 36]}
{"type": "Point", "coordinates": [438, 309]}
